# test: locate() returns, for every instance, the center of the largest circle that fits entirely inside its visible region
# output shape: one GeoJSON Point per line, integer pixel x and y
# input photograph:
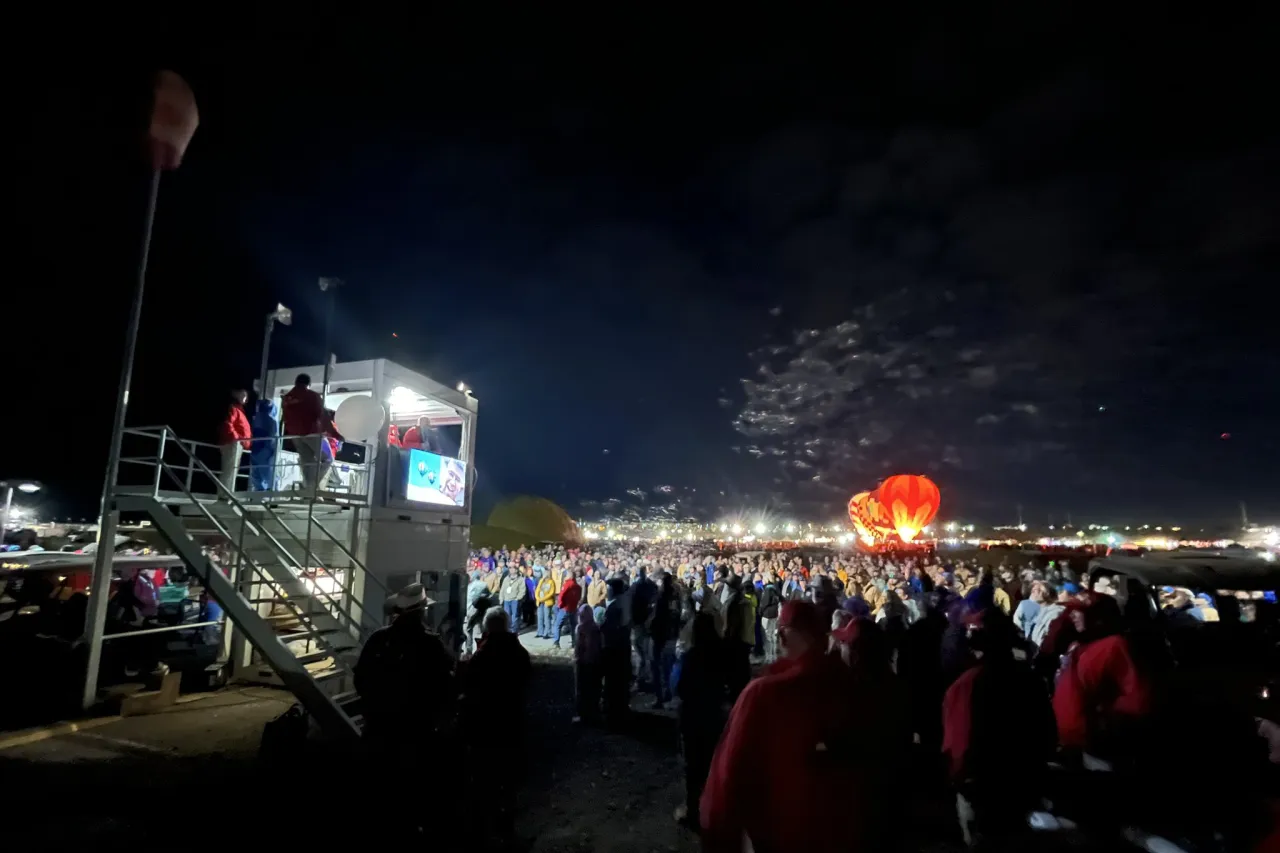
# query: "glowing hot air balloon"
{"type": "Point", "coordinates": [878, 515]}
{"type": "Point", "coordinates": [855, 515]}
{"type": "Point", "coordinates": [910, 501]}
{"type": "Point", "coordinates": [869, 515]}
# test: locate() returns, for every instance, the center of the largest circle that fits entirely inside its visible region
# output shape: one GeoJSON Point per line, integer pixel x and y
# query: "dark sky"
{"type": "Point", "coordinates": [1030, 251]}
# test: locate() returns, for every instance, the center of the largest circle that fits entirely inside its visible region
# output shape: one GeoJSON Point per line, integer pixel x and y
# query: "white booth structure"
{"type": "Point", "coordinates": [398, 540]}
{"type": "Point", "coordinates": [304, 551]}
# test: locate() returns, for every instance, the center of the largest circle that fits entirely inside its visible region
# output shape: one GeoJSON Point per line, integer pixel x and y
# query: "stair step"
{"type": "Point", "coordinates": [336, 639]}
{"type": "Point", "coordinates": [314, 657]}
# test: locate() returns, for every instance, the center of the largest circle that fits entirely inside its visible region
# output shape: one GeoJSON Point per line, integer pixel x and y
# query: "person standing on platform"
{"type": "Point", "coordinates": [304, 422]}
{"type": "Point", "coordinates": [233, 438]}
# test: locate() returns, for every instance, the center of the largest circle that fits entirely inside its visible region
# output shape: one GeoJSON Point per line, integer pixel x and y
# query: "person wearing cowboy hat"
{"type": "Point", "coordinates": [404, 674]}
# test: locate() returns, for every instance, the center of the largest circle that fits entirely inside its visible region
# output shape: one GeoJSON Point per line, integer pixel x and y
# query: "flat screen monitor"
{"type": "Point", "coordinates": [435, 479]}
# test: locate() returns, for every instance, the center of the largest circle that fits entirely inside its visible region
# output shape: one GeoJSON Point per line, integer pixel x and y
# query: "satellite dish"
{"type": "Point", "coordinates": [359, 418]}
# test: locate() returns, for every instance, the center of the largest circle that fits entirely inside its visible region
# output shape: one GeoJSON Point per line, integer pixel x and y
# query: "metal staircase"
{"type": "Point", "coordinates": [287, 583]}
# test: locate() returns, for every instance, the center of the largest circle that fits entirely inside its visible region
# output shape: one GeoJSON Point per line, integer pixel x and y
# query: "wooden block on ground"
{"type": "Point", "coordinates": [152, 701]}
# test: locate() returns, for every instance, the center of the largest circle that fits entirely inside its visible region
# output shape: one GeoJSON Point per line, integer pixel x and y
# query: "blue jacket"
{"type": "Point", "coordinates": [262, 454]}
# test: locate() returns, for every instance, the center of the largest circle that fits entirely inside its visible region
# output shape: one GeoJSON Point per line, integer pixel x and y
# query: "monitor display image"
{"type": "Point", "coordinates": [435, 479]}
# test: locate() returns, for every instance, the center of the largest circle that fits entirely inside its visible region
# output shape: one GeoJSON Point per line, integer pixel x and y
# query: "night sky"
{"type": "Point", "coordinates": [1031, 252]}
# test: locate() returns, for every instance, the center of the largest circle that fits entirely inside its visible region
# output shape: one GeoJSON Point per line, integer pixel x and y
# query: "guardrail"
{"type": "Point", "coordinates": [189, 467]}
{"type": "Point", "coordinates": [297, 469]}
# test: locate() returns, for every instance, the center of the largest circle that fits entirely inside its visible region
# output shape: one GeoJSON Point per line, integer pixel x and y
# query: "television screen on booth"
{"type": "Point", "coordinates": [435, 479]}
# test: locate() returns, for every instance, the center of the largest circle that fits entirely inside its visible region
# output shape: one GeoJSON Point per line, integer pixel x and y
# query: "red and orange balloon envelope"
{"type": "Point", "coordinates": [904, 503]}
{"type": "Point", "coordinates": [911, 501]}
{"type": "Point", "coordinates": [856, 515]}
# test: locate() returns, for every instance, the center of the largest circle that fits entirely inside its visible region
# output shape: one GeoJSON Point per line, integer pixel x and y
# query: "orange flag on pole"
{"type": "Point", "coordinates": [174, 119]}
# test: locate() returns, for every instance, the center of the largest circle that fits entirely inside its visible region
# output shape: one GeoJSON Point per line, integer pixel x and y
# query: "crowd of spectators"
{"type": "Point", "coordinates": [1001, 670]}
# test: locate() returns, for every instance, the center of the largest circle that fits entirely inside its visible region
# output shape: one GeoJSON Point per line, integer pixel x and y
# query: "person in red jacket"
{"type": "Point", "coordinates": [303, 416]}
{"type": "Point", "coordinates": [775, 768]}
{"type": "Point", "coordinates": [567, 612]}
{"type": "Point", "coordinates": [997, 734]}
{"type": "Point", "coordinates": [233, 437]}
{"type": "Point", "coordinates": [1102, 695]}
{"type": "Point", "coordinates": [423, 436]}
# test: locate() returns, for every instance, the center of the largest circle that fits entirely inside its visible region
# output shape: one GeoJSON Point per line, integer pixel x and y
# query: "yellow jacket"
{"type": "Point", "coordinates": [545, 591]}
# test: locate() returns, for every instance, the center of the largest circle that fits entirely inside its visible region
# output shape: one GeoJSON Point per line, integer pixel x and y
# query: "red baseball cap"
{"type": "Point", "coordinates": [848, 633]}
{"type": "Point", "coordinates": [802, 616]}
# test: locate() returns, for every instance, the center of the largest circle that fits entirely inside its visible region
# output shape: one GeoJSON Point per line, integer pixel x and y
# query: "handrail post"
{"type": "Point", "coordinates": [155, 486]}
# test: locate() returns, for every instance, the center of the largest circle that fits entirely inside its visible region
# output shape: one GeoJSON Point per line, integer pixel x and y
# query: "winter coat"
{"type": "Point", "coordinates": [476, 590]}
{"type": "Point", "coordinates": [597, 592]}
{"type": "Point", "coordinates": [998, 730]}
{"type": "Point", "coordinates": [788, 766]}
{"type": "Point", "coordinates": [1100, 693]}
{"type": "Point", "coordinates": [570, 596]}
{"type": "Point", "coordinates": [262, 455]}
{"type": "Point", "coordinates": [513, 588]}
{"type": "Point", "coordinates": [495, 681]}
{"type": "Point", "coordinates": [404, 675]}
{"type": "Point", "coordinates": [545, 592]}
{"type": "Point", "coordinates": [770, 601]}
{"type": "Point", "coordinates": [589, 644]}
{"type": "Point", "coordinates": [235, 427]}
{"type": "Point", "coordinates": [493, 581]}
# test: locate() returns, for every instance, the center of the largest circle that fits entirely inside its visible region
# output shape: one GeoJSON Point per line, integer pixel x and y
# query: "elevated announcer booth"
{"type": "Point", "coordinates": [404, 512]}
{"type": "Point", "coordinates": [302, 539]}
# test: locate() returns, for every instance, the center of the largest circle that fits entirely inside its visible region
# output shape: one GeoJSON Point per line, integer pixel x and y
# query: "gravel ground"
{"type": "Point", "coordinates": [176, 775]}
{"type": "Point", "coordinates": [190, 775]}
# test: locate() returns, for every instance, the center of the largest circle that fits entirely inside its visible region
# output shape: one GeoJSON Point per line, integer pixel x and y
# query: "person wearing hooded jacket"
{"type": "Point", "coordinates": [262, 455]}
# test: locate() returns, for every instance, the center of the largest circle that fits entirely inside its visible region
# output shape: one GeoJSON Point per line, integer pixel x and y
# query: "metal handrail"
{"type": "Point", "coordinates": [221, 489]}
{"type": "Point", "coordinates": [189, 445]}
{"type": "Point", "coordinates": [290, 602]}
{"type": "Point", "coordinates": [351, 620]}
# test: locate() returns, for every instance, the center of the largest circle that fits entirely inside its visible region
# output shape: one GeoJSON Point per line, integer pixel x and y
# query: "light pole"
{"type": "Point", "coordinates": [330, 286]}
{"type": "Point", "coordinates": [27, 487]}
{"type": "Point", "coordinates": [283, 316]}
{"type": "Point", "coordinates": [174, 119]}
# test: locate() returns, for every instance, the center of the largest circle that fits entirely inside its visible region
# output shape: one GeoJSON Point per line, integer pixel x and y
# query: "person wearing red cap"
{"type": "Point", "coordinates": [791, 767]}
